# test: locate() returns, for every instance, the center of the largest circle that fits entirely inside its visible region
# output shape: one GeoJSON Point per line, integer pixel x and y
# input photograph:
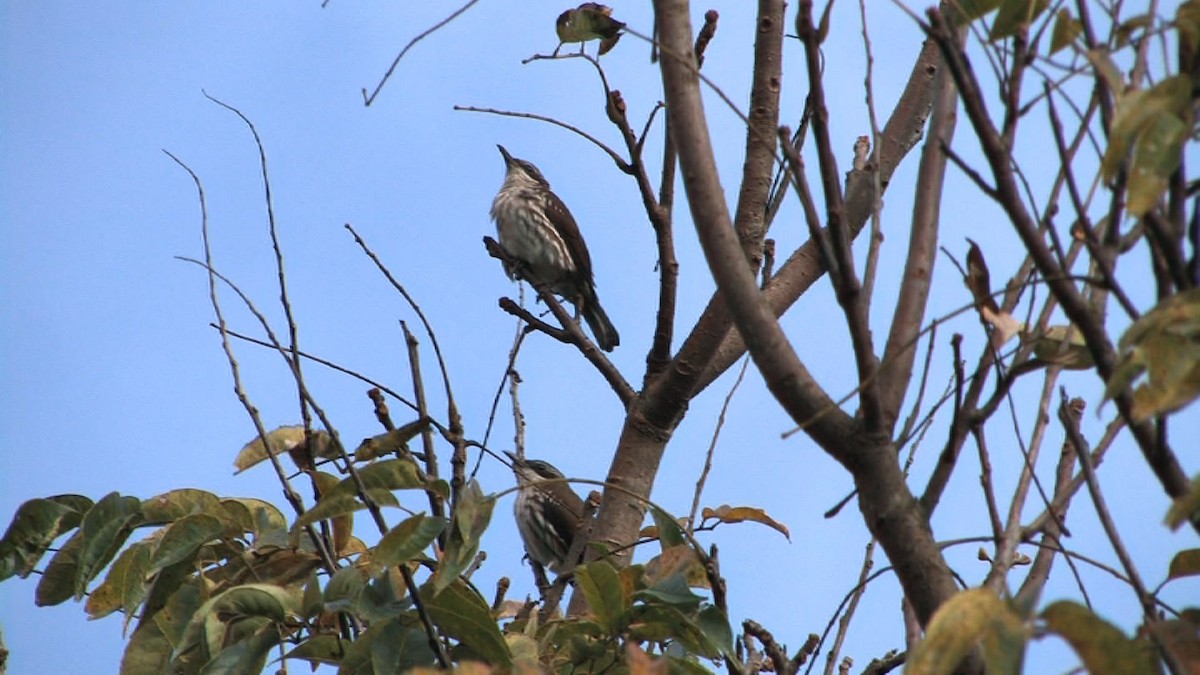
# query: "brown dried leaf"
{"type": "Point", "coordinates": [736, 514]}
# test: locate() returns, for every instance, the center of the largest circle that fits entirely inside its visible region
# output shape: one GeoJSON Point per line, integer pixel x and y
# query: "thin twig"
{"type": "Point", "coordinates": [712, 445]}
{"type": "Point", "coordinates": [368, 100]}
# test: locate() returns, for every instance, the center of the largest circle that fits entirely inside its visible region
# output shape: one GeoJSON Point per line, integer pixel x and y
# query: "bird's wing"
{"type": "Point", "coordinates": [564, 222]}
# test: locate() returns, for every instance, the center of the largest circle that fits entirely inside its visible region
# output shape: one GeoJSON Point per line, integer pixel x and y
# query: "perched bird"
{"type": "Point", "coordinates": [589, 21]}
{"type": "Point", "coordinates": [537, 230]}
{"type": "Point", "coordinates": [548, 514]}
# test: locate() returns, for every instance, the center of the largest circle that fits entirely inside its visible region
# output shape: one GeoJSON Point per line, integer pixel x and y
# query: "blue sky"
{"type": "Point", "coordinates": [111, 379]}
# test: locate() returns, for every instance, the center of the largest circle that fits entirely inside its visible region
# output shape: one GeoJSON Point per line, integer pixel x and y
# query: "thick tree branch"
{"type": "Point", "coordinates": [901, 349]}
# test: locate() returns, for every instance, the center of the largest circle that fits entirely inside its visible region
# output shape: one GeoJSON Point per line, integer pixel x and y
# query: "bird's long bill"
{"type": "Point", "coordinates": [503, 151]}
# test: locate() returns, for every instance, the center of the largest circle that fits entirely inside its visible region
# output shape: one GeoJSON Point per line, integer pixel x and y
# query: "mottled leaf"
{"type": "Point", "coordinates": [36, 524]}
{"type": "Point", "coordinates": [124, 586]}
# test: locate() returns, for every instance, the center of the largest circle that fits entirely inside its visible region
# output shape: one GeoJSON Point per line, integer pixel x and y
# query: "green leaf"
{"type": "Point", "coordinates": [1185, 564]}
{"type": "Point", "coordinates": [343, 590]}
{"type": "Point", "coordinates": [602, 587]}
{"type": "Point", "coordinates": [181, 539]}
{"type": "Point", "coordinates": [969, 10]}
{"type": "Point", "coordinates": [1014, 16]}
{"type": "Point", "coordinates": [333, 506]}
{"type": "Point", "coordinates": [669, 532]}
{"type": "Point", "coordinates": [167, 585]}
{"type": "Point", "coordinates": [673, 591]}
{"type": "Point", "coordinates": [460, 612]}
{"type": "Point", "coordinates": [104, 529]}
{"type": "Point", "coordinates": [715, 625]}
{"type": "Point", "coordinates": [37, 523]}
{"type": "Point", "coordinates": [471, 518]}
{"type": "Point", "coordinates": [326, 649]}
{"type": "Point", "coordinates": [1102, 647]}
{"type": "Point", "coordinates": [313, 600]}
{"type": "Point", "coordinates": [972, 617]}
{"type": "Point", "coordinates": [212, 625]}
{"type": "Point", "coordinates": [660, 623]}
{"type": "Point", "coordinates": [248, 655]}
{"type": "Point", "coordinates": [384, 597]}
{"type": "Point", "coordinates": [1066, 30]}
{"type": "Point", "coordinates": [408, 539]}
{"type": "Point", "coordinates": [101, 533]}
{"type": "Point", "coordinates": [400, 648]}
{"type": "Point", "coordinates": [58, 579]}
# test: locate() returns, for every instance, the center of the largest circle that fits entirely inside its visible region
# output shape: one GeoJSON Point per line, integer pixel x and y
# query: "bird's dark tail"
{"type": "Point", "coordinates": [606, 334]}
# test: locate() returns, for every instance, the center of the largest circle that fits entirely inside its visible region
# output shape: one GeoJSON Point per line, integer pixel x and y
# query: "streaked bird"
{"type": "Point", "coordinates": [589, 21]}
{"type": "Point", "coordinates": [548, 514]}
{"type": "Point", "coordinates": [538, 231]}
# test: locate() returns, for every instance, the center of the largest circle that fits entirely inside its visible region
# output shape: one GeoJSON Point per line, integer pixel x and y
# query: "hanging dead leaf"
{"type": "Point", "coordinates": [980, 284]}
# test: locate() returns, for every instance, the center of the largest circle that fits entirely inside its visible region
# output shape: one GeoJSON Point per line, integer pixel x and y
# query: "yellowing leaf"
{"type": "Point", "coordinates": [390, 442]}
{"type": "Point", "coordinates": [1103, 648]}
{"type": "Point", "coordinates": [288, 439]}
{"type": "Point", "coordinates": [1066, 29]}
{"type": "Point", "coordinates": [1155, 122]}
{"type": "Point", "coordinates": [1063, 346]}
{"type": "Point", "coordinates": [679, 559]}
{"type": "Point", "coordinates": [973, 617]}
{"type": "Point", "coordinates": [1186, 507]}
{"type": "Point", "coordinates": [736, 514]}
{"type": "Point", "coordinates": [1165, 346]}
